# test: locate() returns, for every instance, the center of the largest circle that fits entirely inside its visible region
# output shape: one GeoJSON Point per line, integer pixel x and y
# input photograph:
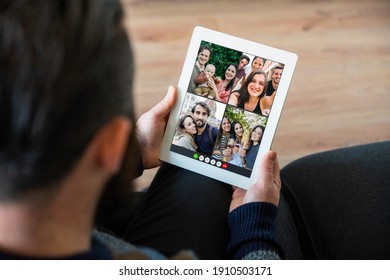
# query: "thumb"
{"type": "Point", "coordinates": [267, 187]}
{"type": "Point", "coordinates": [267, 162]}
{"type": "Point", "coordinates": [267, 165]}
{"type": "Point", "coordinates": [162, 109]}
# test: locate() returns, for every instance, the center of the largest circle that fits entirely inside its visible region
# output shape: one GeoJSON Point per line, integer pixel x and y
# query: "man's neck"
{"type": "Point", "coordinates": [200, 130]}
{"type": "Point", "coordinates": [55, 225]}
{"type": "Point", "coordinates": [200, 67]}
{"type": "Point", "coordinates": [27, 231]}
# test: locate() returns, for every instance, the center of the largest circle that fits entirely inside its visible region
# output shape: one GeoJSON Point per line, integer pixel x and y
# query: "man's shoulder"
{"type": "Point", "coordinates": [211, 127]}
{"type": "Point", "coordinates": [197, 68]}
{"type": "Point", "coordinates": [212, 131]}
{"type": "Point", "coordinates": [270, 88]}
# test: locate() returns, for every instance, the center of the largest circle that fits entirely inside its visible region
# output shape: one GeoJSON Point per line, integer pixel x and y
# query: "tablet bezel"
{"type": "Point", "coordinates": [203, 34]}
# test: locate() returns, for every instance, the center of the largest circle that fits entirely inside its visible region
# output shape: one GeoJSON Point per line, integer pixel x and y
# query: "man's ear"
{"type": "Point", "coordinates": [110, 142]}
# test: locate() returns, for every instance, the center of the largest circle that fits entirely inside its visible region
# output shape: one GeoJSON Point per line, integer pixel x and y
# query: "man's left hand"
{"type": "Point", "coordinates": [151, 126]}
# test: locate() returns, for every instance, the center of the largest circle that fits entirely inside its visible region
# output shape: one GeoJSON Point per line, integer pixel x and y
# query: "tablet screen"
{"type": "Point", "coordinates": [226, 107]}
{"type": "Point", "coordinates": [231, 95]}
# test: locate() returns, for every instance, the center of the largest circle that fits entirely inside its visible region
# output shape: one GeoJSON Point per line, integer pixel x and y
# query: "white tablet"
{"type": "Point", "coordinates": [231, 95]}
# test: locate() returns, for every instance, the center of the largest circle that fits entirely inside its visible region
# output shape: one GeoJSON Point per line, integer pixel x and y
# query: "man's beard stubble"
{"type": "Point", "coordinates": [203, 124]}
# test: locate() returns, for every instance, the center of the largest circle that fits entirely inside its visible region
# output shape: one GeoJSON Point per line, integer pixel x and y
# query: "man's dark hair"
{"type": "Point", "coordinates": [205, 47]}
{"type": "Point", "coordinates": [66, 69]}
{"type": "Point", "coordinates": [278, 67]}
{"type": "Point", "coordinates": [244, 56]}
{"type": "Point", "coordinates": [204, 105]}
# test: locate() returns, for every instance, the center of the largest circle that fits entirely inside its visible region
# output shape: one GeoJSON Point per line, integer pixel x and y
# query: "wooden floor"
{"type": "Point", "coordinates": [340, 93]}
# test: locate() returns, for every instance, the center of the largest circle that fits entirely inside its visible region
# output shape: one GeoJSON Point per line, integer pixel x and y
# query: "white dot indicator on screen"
{"type": "Point", "coordinates": [219, 163]}
{"type": "Point", "coordinates": [201, 158]}
{"type": "Point", "coordinates": [207, 160]}
{"type": "Point", "coordinates": [212, 161]}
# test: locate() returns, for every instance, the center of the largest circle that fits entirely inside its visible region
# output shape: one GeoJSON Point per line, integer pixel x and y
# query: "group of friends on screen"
{"type": "Point", "coordinates": [249, 85]}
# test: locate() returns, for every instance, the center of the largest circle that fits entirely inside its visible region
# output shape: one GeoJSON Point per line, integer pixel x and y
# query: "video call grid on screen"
{"type": "Point", "coordinates": [224, 112]}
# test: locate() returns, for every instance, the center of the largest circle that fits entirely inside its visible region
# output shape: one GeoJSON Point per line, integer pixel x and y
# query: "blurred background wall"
{"type": "Point", "coordinates": [340, 93]}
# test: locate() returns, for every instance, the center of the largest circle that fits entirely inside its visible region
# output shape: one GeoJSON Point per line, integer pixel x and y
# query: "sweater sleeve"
{"type": "Point", "coordinates": [252, 228]}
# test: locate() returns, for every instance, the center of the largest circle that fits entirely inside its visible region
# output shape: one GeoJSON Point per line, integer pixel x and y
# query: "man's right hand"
{"type": "Point", "coordinates": [266, 189]}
